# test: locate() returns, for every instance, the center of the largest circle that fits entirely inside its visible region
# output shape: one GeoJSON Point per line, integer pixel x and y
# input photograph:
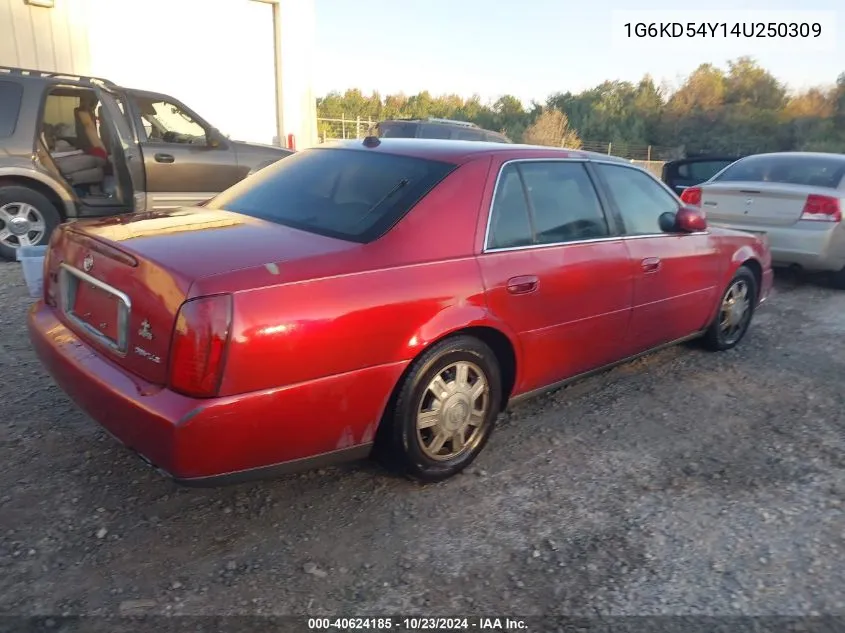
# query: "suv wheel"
{"type": "Point", "coordinates": [27, 218]}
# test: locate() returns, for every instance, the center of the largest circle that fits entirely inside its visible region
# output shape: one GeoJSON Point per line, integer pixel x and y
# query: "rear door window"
{"type": "Point", "coordinates": [564, 206]}
{"type": "Point", "coordinates": [353, 195]}
{"type": "Point", "coordinates": [797, 169]}
{"type": "Point", "coordinates": [11, 95]}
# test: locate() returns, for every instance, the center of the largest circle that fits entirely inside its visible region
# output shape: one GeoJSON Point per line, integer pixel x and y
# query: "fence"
{"type": "Point", "coordinates": [343, 128]}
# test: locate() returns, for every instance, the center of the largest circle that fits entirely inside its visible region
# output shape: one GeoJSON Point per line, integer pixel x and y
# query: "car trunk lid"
{"type": "Point", "coordinates": [120, 282]}
{"type": "Point", "coordinates": [756, 203]}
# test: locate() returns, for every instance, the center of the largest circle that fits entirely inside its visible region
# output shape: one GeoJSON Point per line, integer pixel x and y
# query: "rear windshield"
{"type": "Point", "coordinates": [354, 195]}
{"type": "Point", "coordinates": [397, 129]}
{"type": "Point", "coordinates": [815, 171]}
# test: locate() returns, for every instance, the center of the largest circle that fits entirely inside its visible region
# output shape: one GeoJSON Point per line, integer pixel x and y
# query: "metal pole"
{"type": "Point", "coordinates": [277, 49]}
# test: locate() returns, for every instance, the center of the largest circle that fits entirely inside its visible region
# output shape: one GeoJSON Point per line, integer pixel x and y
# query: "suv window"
{"type": "Point", "coordinates": [492, 137]}
{"type": "Point", "coordinates": [435, 130]}
{"type": "Point", "coordinates": [397, 129]}
{"type": "Point", "coordinates": [467, 134]}
{"type": "Point", "coordinates": [703, 170]}
{"type": "Point", "coordinates": [166, 122]}
{"type": "Point", "coordinates": [816, 171]}
{"type": "Point", "coordinates": [59, 119]}
{"type": "Point", "coordinates": [348, 194]}
{"type": "Point", "coordinates": [564, 205]}
{"type": "Point", "coordinates": [10, 106]}
{"type": "Point", "coordinates": [639, 198]}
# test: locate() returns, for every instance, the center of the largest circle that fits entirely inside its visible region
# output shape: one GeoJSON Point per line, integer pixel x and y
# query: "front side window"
{"type": "Point", "coordinates": [166, 122]}
{"type": "Point", "coordinates": [349, 194]}
{"type": "Point", "coordinates": [638, 197]}
{"type": "Point", "coordinates": [542, 203]}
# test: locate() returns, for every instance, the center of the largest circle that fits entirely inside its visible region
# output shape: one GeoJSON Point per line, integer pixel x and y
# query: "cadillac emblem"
{"type": "Point", "coordinates": [88, 263]}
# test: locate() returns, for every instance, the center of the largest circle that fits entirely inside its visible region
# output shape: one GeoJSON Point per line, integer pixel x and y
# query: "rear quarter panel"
{"type": "Point", "coordinates": [738, 248]}
{"type": "Point", "coordinates": [377, 305]}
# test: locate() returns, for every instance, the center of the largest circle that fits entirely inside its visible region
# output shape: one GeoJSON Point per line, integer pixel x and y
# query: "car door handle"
{"type": "Point", "coordinates": [164, 158]}
{"type": "Point", "coordinates": [523, 284]}
{"type": "Point", "coordinates": [651, 264]}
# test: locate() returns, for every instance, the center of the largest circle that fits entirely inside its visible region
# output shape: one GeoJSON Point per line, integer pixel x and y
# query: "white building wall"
{"type": "Point", "coordinates": [216, 56]}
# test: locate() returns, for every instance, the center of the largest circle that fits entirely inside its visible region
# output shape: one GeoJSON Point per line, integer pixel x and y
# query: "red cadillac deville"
{"type": "Point", "coordinates": [387, 295]}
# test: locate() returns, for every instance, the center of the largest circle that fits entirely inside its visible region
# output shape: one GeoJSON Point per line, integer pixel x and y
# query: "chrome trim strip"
{"type": "Point", "coordinates": [69, 278]}
{"type": "Point", "coordinates": [485, 249]}
{"type": "Point", "coordinates": [590, 241]}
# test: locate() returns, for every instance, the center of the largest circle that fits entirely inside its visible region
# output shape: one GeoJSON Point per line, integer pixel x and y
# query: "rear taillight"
{"type": "Point", "coordinates": [198, 348]}
{"type": "Point", "coordinates": [691, 196]}
{"type": "Point", "coordinates": [822, 208]}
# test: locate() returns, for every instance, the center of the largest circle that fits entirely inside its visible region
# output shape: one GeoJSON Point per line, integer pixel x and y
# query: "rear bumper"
{"type": "Point", "coordinates": [815, 246]}
{"type": "Point", "coordinates": [219, 440]}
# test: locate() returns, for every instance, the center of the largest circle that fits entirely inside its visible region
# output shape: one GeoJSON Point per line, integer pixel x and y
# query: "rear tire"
{"type": "Point", "coordinates": [444, 411]}
{"type": "Point", "coordinates": [27, 218]}
{"type": "Point", "coordinates": [736, 308]}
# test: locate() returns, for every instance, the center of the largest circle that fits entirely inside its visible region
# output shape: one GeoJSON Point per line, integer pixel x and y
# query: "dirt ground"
{"type": "Point", "coordinates": [684, 483]}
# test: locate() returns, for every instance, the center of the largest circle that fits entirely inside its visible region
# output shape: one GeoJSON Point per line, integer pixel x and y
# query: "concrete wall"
{"type": "Point", "coordinates": [217, 56]}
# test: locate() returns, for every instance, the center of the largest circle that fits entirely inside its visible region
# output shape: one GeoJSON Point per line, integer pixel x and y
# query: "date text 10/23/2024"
{"type": "Point", "coordinates": [418, 623]}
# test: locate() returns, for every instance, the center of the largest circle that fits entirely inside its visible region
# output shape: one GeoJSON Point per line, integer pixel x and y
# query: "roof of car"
{"type": "Point", "coordinates": [830, 155]}
{"type": "Point", "coordinates": [462, 151]}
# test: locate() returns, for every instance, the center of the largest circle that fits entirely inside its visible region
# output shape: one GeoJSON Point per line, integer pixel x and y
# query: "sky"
{"type": "Point", "coordinates": [533, 48]}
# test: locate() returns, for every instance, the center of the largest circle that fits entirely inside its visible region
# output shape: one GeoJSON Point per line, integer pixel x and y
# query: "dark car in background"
{"type": "Point", "coordinates": [694, 170]}
{"type": "Point", "coordinates": [74, 147]}
{"type": "Point", "coordinates": [445, 129]}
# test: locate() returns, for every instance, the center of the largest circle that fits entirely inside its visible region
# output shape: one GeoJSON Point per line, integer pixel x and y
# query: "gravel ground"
{"type": "Point", "coordinates": [684, 483]}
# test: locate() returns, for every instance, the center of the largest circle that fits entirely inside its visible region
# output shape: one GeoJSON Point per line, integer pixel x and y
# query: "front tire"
{"type": "Point", "coordinates": [27, 218]}
{"type": "Point", "coordinates": [736, 308]}
{"type": "Point", "coordinates": [444, 412]}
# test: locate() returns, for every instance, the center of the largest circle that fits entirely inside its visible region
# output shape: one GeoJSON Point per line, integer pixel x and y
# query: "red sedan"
{"type": "Point", "coordinates": [388, 294]}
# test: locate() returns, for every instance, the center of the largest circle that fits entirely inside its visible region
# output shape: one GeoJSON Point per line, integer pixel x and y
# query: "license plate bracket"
{"type": "Point", "coordinates": [105, 315]}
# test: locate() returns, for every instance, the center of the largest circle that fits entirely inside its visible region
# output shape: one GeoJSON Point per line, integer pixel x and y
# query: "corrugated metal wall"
{"type": "Point", "coordinates": [45, 39]}
{"type": "Point", "coordinates": [215, 55]}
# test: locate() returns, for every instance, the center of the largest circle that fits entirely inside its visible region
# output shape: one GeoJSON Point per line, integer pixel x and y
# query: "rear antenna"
{"type": "Point", "coordinates": [372, 141]}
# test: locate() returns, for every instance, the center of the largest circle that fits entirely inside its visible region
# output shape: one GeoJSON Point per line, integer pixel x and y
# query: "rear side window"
{"type": "Point", "coordinates": [397, 129]}
{"type": "Point", "coordinates": [354, 195]}
{"type": "Point", "coordinates": [815, 171]}
{"type": "Point", "coordinates": [10, 106]}
{"type": "Point", "coordinates": [564, 206]}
